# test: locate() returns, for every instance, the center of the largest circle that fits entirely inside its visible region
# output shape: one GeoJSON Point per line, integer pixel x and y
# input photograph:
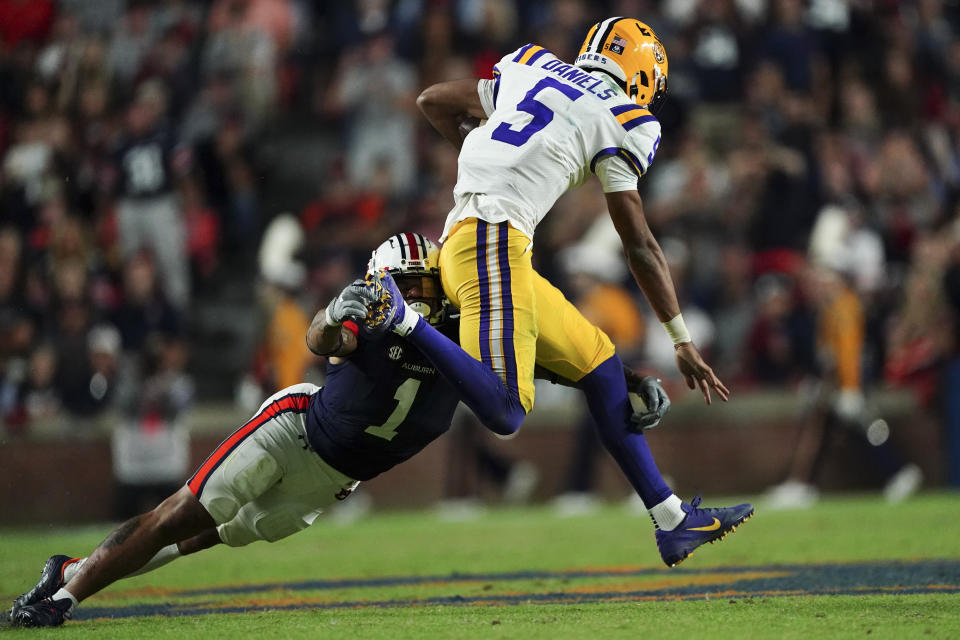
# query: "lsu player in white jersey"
{"type": "Point", "coordinates": [548, 126]}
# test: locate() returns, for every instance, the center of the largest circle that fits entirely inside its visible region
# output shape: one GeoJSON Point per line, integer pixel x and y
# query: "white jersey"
{"type": "Point", "coordinates": [549, 126]}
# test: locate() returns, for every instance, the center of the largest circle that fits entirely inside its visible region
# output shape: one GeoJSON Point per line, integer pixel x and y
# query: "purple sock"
{"type": "Point", "coordinates": [606, 392]}
{"type": "Point", "coordinates": [496, 406]}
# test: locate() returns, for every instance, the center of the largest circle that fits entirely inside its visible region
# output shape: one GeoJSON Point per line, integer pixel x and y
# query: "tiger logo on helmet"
{"type": "Point", "coordinates": [630, 51]}
{"type": "Point", "coordinates": [413, 259]}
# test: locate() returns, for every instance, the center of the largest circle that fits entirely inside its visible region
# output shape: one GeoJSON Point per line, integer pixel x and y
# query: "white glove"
{"type": "Point", "coordinates": [351, 303]}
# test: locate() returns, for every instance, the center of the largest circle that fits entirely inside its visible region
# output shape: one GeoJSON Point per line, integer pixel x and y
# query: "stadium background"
{"type": "Point", "coordinates": [805, 195]}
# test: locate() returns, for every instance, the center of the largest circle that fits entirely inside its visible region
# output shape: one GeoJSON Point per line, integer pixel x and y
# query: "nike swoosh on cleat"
{"type": "Point", "coordinates": [710, 527]}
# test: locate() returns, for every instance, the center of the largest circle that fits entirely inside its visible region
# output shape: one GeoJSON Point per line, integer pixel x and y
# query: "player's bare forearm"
{"type": "Point", "coordinates": [447, 104]}
{"type": "Point", "coordinates": [329, 340]}
{"type": "Point", "coordinates": [643, 253]}
{"type": "Point", "coordinates": [650, 270]}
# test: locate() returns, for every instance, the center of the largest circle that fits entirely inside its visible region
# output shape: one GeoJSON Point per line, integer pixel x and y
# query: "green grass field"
{"type": "Point", "coordinates": [849, 567]}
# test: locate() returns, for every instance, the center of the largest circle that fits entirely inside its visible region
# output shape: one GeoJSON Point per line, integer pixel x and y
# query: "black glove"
{"type": "Point", "coordinates": [654, 403]}
{"type": "Point", "coordinates": [351, 303]}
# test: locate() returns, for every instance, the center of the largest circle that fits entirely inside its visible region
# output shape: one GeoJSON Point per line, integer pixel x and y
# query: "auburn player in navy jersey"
{"type": "Point", "coordinates": [305, 449]}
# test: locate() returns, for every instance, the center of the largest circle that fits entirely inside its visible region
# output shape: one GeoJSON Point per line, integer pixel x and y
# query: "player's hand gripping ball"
{"type": "Point", "coordinates": [649, 402]}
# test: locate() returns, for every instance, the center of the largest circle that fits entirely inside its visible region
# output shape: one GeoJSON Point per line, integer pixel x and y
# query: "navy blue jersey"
{"type": "Point", "coordinates": [380, 406]}
{"type": "Point", "coordinates": [145, 164]}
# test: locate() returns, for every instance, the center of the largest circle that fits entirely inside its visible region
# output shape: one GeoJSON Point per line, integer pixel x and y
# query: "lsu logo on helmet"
{"type": "Point", "coordinates": [630, 51]}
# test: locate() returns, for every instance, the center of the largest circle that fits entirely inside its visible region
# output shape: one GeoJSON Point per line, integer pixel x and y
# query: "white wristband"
{"type": "Point", "coordinates": [410, 318]}
{"type": "Point", "coordinates": [676, 329]}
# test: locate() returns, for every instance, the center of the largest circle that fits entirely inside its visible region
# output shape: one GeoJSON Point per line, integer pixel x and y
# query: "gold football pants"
{"type": "Point", "coordinates": [511, 317]}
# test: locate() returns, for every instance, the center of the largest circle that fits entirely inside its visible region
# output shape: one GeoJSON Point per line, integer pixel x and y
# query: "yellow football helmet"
{"type": "Point", "coordinates": [630, 51]}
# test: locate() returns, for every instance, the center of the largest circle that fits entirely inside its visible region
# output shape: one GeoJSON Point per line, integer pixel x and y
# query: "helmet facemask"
{"type": "Point", "coordinates": [412, 261]}
{"type": "Point", "coordinates": [640, 86]}
{"type": "Point", "coordinates": [423, 293]}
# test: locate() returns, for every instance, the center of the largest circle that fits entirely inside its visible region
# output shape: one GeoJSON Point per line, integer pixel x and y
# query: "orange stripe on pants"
{"type": "Point", "coordinates": [297, 402]}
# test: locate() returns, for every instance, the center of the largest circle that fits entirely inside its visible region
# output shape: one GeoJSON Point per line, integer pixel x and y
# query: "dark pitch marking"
{"type": "Point", "coordinates": [875, 578]}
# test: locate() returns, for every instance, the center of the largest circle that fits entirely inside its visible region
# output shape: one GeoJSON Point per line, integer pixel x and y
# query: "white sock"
{"type": "Point", "coordinates": [668, 514]}
{"type": "Point", "coordinates": [71, 570]}
{"type": "Point", "coordinates": [63, 593]}
{"type": "Point", "coordinates": [166, 555]}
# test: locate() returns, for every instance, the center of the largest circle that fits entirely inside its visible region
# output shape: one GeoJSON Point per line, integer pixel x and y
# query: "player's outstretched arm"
{"type": "Point", "coordinates": [497, 406]}
{"type": "Point", "coordinates": [327, 336]}
{"type": "Point", "coordinates": [649, 268]}
{"type": "Point", "coordinates": [447, 105]}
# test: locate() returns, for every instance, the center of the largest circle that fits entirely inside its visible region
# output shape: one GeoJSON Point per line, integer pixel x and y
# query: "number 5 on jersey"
{"type": "Point", "coordinates": [542, 114]}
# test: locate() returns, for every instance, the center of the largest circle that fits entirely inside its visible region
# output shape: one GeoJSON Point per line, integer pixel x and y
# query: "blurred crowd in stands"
{"type": "Point", "coordinates": [805, 194]}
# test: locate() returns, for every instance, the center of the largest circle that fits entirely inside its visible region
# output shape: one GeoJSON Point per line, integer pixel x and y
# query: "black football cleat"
{"type": "Point", "coordinates": [46, 613]}
{"type": "Point", "coordinates": [51, 579]}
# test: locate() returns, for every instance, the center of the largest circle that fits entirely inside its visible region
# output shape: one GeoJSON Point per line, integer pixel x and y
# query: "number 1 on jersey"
{"type": "Point", "coordinates": [404, 396]}
{"type": "Point", "coordinates": [542, 114]}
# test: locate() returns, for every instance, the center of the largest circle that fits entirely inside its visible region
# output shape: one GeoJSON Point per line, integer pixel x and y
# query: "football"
{"type": "Point", "coordinates": [637, 403]}
{"type": "Point", "coordinates": [468, 124]}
